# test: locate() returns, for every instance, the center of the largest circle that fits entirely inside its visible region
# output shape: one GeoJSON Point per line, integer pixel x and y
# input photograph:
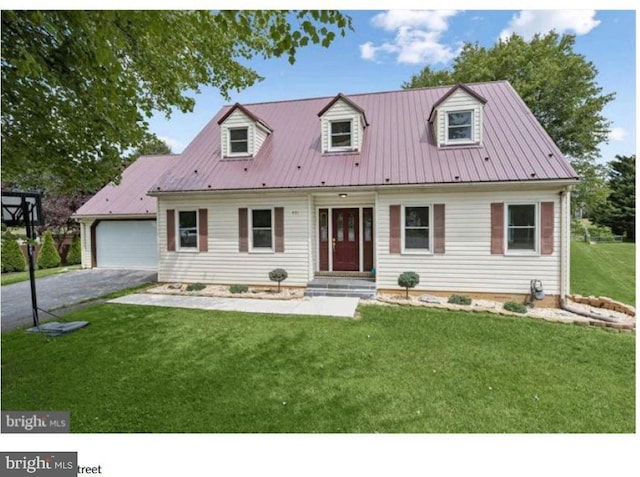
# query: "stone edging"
{"type": "Point", "coordinates": [622, 327]}
{"type": "Point", "coordinates": [603, 302]}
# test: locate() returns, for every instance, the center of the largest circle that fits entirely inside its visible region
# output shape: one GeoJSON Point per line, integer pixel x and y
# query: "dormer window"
{"type": "Point", "coordinates": [239, 140]}
{"type": "Point", "coordinates": [341, 135]}
{"type": "Point", "coordinates": [460, 126]}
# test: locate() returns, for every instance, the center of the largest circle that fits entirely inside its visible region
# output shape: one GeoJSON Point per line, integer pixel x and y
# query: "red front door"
{"type": "Point", "coordinates": [345, 241]}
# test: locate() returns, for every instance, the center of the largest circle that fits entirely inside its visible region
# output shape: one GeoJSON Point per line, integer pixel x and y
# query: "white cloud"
{"type": "Point", "coordinates": [527, 23]}
{"type": "Point", "coordinates": [617, 134]}
{"type": "Point", "coordinates": [173, 143]}
{"type": "Point", "coordinates": [418, 35]}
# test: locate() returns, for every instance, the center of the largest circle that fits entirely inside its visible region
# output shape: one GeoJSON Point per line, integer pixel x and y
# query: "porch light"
{"type": "Point", "coordinates": [342, 196]}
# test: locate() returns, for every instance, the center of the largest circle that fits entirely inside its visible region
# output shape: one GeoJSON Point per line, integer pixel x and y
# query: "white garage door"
{"type": "Point", "coordinates": [127, 244]}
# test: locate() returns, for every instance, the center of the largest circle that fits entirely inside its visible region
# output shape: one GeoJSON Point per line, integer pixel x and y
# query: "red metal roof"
{"type": "Point", "coordinates": [398, 147]}
{"type": "Point", "coordinates": [130, 196]}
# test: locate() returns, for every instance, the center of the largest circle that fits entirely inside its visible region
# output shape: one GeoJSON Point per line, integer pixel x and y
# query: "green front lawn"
{"type": "Point", "coordinates": [149, 369]}
{"type": "Point", "coordinates": [9, 278]}
{"type": "Point", "coordinates": [606, 269]}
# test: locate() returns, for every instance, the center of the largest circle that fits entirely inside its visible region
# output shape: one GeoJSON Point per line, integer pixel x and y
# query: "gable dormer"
{"type": "Point", "coordinates": [242, 133]}
{"type": "Point", "coordinates": [342, 124]}
{"type": "Point", "coordinates": [457, 117]}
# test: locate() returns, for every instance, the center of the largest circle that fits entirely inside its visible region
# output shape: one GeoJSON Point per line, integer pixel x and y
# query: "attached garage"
{"type": "Point", "coordinates": [126, 244]}
{"type": "Point", "coordinates": [118, 224]}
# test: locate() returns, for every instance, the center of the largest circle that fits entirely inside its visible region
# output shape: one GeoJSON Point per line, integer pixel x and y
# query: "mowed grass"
{"type": "Point", "coordinates": [150, 369]}
{"type": "Point", "coordinates": [10, 278]}
{"type": "Point", "coordinates": [606, 269]}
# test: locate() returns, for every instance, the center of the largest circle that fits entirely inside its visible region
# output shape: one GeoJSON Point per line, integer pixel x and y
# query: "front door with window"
{"type": "Point", "coordinates": [345, 242]}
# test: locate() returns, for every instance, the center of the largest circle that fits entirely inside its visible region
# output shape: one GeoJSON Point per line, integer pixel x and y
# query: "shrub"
{"type": "Point", "coordinates": [48, 256]}
{"type": "Point", "coordinates": [278, 275]}
{"type": "Point", "coordinates": [196, 287]}
{"type": "Point", "coordinates": [238, 288]}
{"type": "Point", "coordinates": [408, 280]}
{"type": "Point", "coordinates": [74, 256]}
{"type": "Point", "coordinates": [459, 300]}
{"type": "Point", "coordinates": [515, 307]}
{"type": "Point", "coordinates": [12, 257]}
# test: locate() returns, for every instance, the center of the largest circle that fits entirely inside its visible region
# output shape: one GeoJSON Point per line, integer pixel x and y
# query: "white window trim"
{"type": "Point", "coordinates": [446, 126]}
{"type": "Point", "coordinates": [253, 249]}
{"type": "Point", "coordinates": [536, 236]}
{"type": "Point", "coordinates": [352, 147]}
{"type": "Point", "coordinates": [180, 248]}
{"type": "Point", "coordinates": [416, 251]}
{"type": "Point", "coordinates": [250, 131]}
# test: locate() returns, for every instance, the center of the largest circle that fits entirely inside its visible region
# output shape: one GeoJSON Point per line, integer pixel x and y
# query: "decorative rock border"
{"type": "Point", "coordinates": [561, 317]}
{"type": "Point", "coordinates": [603, 302]}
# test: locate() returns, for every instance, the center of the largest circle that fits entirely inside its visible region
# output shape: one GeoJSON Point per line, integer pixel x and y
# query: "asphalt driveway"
{"type": "Point", "coordinates": [63, 290]}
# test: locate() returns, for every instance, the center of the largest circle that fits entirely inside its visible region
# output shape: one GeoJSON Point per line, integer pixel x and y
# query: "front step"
{"type": "Point", "coordinates": [339, 286]}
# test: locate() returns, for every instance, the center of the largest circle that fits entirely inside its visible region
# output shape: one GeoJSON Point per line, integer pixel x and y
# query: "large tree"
{"type": "Point", "coordinates": [558, 84]}
{"type": "Point", "coordinates": [619, 211]}
{"type": "Point", "coordinates": [78, 86]}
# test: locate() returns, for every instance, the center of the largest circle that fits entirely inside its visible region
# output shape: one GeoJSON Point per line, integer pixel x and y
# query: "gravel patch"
{"type": "Point", "coordinates": [223, 291]}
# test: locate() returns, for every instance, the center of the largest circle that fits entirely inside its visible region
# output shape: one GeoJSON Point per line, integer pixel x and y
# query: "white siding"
{"type": "Point", "coordinates": [459, 101]}
{"type": "Point", "coordinates": [223, 263]}
{"type": "Point", "coordinates": [342, 111]}
{"type": "Point", "coordinates": [85, 242]}
{"type": "Point", "coordinates": [261, 135]}
{"type": "Point", "coordinates": [467, 264]}
{"type": "Point", "coordinates": [238, 119]}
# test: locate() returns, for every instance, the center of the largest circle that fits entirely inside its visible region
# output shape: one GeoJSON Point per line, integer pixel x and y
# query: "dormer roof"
{"type": "Point", "coordinates": [353, 105]}
{"type": "Point", "coordinates": [455, 88]}
{"type": "Point", "coordinates": [251, 115]}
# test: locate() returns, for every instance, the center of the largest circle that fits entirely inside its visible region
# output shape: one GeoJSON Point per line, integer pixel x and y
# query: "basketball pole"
{"type": "Point", "coordinates": [26, 213]}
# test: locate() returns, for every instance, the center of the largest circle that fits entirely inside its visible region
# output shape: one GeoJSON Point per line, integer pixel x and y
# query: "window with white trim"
{"type": "Point", "coordinates": [459, 126]}
{"type": "Point", "coordinates": [239, 141]}
{"type": "Point", "coordinates": [521, 227]}
{"type": "Point", "coordinates": [340, 135]}
{"type": "Point", "coordinates": [416, 228]}
{"type": "Point", "coordinates": [188, 229]}
{"type": "Point", "coordinates": [262, 229]}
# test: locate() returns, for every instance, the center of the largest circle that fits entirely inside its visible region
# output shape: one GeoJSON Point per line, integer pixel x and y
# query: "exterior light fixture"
{"type": "Point", "coordinates": [342, 196]}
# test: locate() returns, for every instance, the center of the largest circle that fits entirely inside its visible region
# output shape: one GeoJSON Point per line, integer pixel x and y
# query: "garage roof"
{"type": "Point", "coordinates": [130, 196]}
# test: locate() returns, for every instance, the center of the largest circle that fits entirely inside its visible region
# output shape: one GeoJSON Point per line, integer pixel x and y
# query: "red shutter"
{"type": "Point", "coordinates": [394, 229]}
{"type": "Point", "coordinates": [546, 226]}
{"type": "Point", "coordinates": [438, 224]}
{"type": "Point", "coordinates": [279, 229]}
{"type": "Point", "coordinates": [203, 239]}
{"type": "Point", "coordinates": [497, 228]}
{"type": "Point", "coordinates": [243, 230]}
{"type": "Point", "coordinates": [171, 230]}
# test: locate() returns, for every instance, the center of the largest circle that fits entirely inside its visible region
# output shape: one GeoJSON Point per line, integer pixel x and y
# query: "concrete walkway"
{"type": "Point", "coordinates": [319, 305]}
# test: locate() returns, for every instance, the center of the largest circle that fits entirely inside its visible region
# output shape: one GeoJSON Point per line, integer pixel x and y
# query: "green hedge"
{"type": "Point", "coordinates": [12, 257]}
{"type": "Point", "coordinates": [48, 256]}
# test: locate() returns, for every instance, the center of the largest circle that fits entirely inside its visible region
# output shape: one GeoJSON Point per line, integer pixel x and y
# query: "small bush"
{"type": "Point", "coordinates": [238, 288]}
{"type": "Point", "coordinates": [459, 300]}
{"type": "Point", "coordinates": [515, 307]}
{"type": "Point", "coordinates": [48, 256]}
{"type": "Point", "coordinates": [278, 275]}
{"type": "Point", "coordinates": [195, 287]}
{"type": "Point", "coordinates": [12, 257]}
{"type": "Point", "coordinates": [408, 280]}
{"type": "Point", "coordinates": [74, 256]}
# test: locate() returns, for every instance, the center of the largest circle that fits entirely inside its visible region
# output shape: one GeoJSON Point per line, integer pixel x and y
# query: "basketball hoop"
{"type": "Point", "coordinates": [25, 209]}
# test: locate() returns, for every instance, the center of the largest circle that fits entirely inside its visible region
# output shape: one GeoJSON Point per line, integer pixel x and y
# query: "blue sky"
{"type": "Point", "coordinates": [387, 47]}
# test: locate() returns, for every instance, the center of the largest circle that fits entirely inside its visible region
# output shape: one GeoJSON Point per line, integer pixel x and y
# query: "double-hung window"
{"type": "Point", "coordinates": [239, 140]}
{"type": "Point", "coordinates": [188, 229]}
{"type": "Point", "coordinates": [340, 135]}
{"type": "Point", "coordinates": [262, 229]}
{"type": "Point", "coordinates": [416, 228]}
{"type": "Point", "coordinates": [460, 126]}
{"type": "Point", "coordinates": [521, 227]}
